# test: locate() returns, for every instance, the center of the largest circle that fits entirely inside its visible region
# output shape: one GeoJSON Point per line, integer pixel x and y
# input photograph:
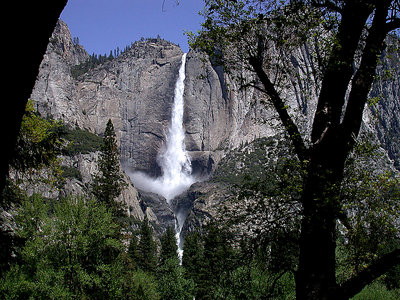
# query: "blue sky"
{"type": "Point", "coordinates": [104, 25]}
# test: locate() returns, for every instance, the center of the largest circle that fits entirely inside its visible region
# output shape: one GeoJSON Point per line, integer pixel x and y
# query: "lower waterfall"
{"type": "Point", "coordinates": [173, 159]}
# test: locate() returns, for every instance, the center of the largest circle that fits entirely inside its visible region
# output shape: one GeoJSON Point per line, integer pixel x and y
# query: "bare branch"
{"type": "Point", "coordinates": [280, 107]}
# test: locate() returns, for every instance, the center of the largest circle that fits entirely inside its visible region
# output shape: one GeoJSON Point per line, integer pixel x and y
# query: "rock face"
{"type": "Point", "coordinates": [164, 215]}
{"type": "Point", "coordinates": [136, 91]}
{"type": "Point", "coordinates": [386, 91]}
{"type": "Point", "coordinates": [86, 165]}
{"type": "Point", "coordinates": [54, 91]}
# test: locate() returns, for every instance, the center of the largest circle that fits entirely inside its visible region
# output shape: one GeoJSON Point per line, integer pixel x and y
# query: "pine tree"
{"type": "Point", "coordinates": [108, 184]}
{"type": "Point", "coordinates": [133, 249]}
{"type": "Point", "coordinates": [147, 250]}
{"type": "Point", "coordinates": [218, 261]}
{"type": "Point", "coordinates": [168, 246]}
{"type": "Point", "coordinates": [172, 282]}
{"type": "Point", "coordinates": [193, 256]}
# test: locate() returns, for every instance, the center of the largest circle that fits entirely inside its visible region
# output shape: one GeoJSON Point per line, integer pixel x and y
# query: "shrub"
{"type": "Point", "coordinates": [377, 291]}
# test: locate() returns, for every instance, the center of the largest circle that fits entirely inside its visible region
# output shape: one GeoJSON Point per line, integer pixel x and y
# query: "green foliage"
{"type": "Point", "coordinates": [266, 165]}
{"type": "Point", "coordinates": [95, 60]}
{"type": "Point", "coordinates": [133, 250]}
{"type": "Point", "coordinates": [80, 141]}
{"type": "Point", "coordinates": [92, 62]}
{"type": "Point", "coordinates": [141, 285]}
{"type": "Point", "coordinates": [172, 283]}
{"type": "Point", "coordinates": [38, 145]}
{"type": "Point", "coordinates": [392, 278]}
{"type": "Point", "coordinates": [193, 256]}
{"type": "Point", "coordinates": [371, 198]}
{"type": "Point", "coordinates": [267, 183]}
{"type": "Point", "coordinates": [219, 260]}
{"type": "Point", "coordinates": [221, 271]}
{"type": "Point", "coordinates": [147, 249]}
{"type": "Point", "coordinates": [70, 251]}
{"type": "Point", "coordinates": [266, 206]}
{"type": "Point", "coordinates": [254, 282]}
{"type": "Point", "coordinates": [70, 172]}
{"type": "Point", "coordinates": [35, 162]}
{"type": "Point", "coordinates": [377, 291]}
{"type": "Point", "coordinates": [108, 184]}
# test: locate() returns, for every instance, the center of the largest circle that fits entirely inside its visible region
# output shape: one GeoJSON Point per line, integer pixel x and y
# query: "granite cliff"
{"type": "Point", "coordinates": [136, 89]}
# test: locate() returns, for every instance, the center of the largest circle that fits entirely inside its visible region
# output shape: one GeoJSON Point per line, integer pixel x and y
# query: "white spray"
{"type": "Point", "coordinates": [173, 159]}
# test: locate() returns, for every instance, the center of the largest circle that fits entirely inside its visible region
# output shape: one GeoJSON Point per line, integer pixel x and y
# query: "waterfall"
{"type": "Point", "coordinates": [173, 159]}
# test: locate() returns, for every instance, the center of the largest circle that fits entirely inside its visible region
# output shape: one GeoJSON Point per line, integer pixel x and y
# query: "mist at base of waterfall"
{"type": "Point", "coordinates": [169, 188]}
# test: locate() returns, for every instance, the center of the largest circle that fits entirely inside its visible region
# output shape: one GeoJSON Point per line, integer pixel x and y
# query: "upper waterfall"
{"type": "Point", "coordinates": [173, 159]}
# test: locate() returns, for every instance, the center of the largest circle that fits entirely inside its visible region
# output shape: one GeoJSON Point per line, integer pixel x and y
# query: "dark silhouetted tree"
{"type": "Point", "coordinates": [348, 36]}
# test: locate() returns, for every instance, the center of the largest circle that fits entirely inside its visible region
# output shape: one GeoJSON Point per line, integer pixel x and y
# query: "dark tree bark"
{"type": "Point", "coordinates": [27, 33]}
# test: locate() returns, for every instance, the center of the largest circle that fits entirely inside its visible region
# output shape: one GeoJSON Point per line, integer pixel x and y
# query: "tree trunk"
{"type": "Point", "coordinates": [316, 275]}
{"type": "Point", "coordinates": [315, 278]}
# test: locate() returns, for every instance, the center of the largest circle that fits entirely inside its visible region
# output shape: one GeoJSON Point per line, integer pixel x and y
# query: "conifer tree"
{"type": "Point", "coordinates": [108, 184]}
{"type": "Point", "coordinates": [172, 282]}
{"type": "Point", "coordinates": [193, 256]}
{"type": "Point", "coordinates": [168, 246]}
{"type": "Point", "coordinates": [133, 250]}
{"type": "Point", "coordinates": [218, 261]}
{"type": "Point", "coordinates": [147, 250]}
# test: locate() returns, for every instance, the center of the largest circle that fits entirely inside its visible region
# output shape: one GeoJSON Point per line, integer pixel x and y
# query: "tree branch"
{"type": "Point", "coordinates": [354, 285]}
{"type": "Point", "coordinates": [362, 81]}
{"type": "Point", "coordinates": [392, 25]}
{"type": "Point", "coordinates": [339, 69]}
{"type": "Point", "coordinates": [281, 109]}
{"type": "Point", "coordinates": [327, 4]}
{"type": "Point", "coordinates": [272, 288]}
